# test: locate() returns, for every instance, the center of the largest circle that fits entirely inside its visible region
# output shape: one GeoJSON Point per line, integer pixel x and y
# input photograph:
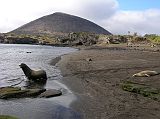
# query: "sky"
{"type": "Point", "coordinates": [138, 4]}
{"type": "Point", "coordinates": [116, 16]}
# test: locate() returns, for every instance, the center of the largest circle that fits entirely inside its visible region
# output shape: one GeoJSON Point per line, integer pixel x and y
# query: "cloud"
{"type": "Point", "coordinates": [14, 13]}
{"type": "Point", "coordinates": [96, 9]}
{"type": "Point", "coordinates": [142, 22]}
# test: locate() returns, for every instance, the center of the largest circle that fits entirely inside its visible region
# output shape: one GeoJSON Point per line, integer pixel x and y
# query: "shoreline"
{"type": "Point", "coordinates": [37, 108]}
{"type": "Point", "coordinates": [96, 83]}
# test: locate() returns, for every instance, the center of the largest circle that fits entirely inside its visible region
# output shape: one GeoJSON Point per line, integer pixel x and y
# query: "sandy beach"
{"type": "Point", "coordinates": [97, 83]}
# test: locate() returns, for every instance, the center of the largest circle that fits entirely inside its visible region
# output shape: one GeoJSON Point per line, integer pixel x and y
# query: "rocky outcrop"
{"type": "Point", "coordinates": [1, 38]}
{"type": "Point", "coordinates": [82, 38]}
{"type": "Point", "coordinates": [140, 40]}
{"type": "Point", "coordinates": [25, 40]}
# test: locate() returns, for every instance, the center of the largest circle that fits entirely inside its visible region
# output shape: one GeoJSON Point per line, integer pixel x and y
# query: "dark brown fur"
{"type": "Point", "coordinates": [39, 75]}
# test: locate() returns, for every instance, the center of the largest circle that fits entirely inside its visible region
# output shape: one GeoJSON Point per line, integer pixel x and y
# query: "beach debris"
{"type": "Point", "coordinates": [28, 52]}
{"type": "Point", "coordinates": [146, 73]}
{"type": "Point", "coordinates": [36, 76]}
{"type": "Point", "coordinates": [50, 93]}
{"type": "Point", "coordinates": [141, 89]}
{"type": "Point", "coordinates": [88, 59]}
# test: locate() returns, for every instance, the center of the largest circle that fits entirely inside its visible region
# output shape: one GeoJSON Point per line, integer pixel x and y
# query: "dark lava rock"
{"type": "Point", "coordinates": [50, 93]}
{"type": "Point", "coordinates": [12, 94]}
{"type": "Point", "coordinates": [16, 92]}
{"type": "Point", "coordinates": [33, 92]}
{"type": "Point", "coordinates": [7, 92]}
{"type": "Point", "coordinates": [9, 89]}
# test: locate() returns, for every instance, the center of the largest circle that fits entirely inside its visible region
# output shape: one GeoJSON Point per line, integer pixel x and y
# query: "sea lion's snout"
{"type": "Point", "coordinates": [21, 65]}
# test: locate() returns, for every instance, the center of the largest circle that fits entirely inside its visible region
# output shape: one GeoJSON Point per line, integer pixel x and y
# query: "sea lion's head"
{"type": "Point", "coordinates": [22, 65]}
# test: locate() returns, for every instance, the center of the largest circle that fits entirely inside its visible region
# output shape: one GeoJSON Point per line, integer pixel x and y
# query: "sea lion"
{"type": "Point", "coordinates": [146, 73]}
{"type": "Point", "coordinates": [37, 76]}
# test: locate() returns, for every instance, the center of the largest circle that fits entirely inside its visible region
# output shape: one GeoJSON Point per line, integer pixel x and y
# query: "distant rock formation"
{"type": "Point", "coordinates": [25, 40]}
{"type": "Point", "coordinates": [60, 23]}
{"type": "Point", "coordinates": [1, 38]}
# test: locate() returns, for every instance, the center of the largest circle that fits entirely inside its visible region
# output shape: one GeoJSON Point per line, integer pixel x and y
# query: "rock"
{"type": "Point", "coordinates": [50, 93]}
{"type": "Point", "coordinates": [9, 89]}
{"type": "Point", "coordinates": [33, 92]}
{"type": "Point", "coordinates": [24, 40]}
{"type": "Point", "coordinates": [7, 117]}
{"type": "Point", "coordinates": [11, 92]}
{"type": "Point", "coordinates": [16, 92]}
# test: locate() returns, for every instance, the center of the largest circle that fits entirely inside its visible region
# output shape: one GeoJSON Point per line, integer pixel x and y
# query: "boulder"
{"type": "Point", "coordinates": [33, 92]}
{"type": "Point", "coordinates": [10, 92]}
{"type": "Point", "coordinates": [16, 92]}
{"type": "Point", "coordinates": [50, 93]}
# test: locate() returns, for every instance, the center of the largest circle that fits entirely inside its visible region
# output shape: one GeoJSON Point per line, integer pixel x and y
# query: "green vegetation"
{"type": "Point", "coordinates": [41, 38]}
{"type": "Point", "coordinates": [79, 38]}
{"type": "Point", "coordinates": [7, 117]}
{"type": "Point", "coordinates": [153, 38]}
{"type": "Point", "coordinates": [141, 89]}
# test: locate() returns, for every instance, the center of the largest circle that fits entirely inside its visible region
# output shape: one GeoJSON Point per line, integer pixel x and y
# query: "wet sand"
{"type": "Point", "coordinates": [97, 83]}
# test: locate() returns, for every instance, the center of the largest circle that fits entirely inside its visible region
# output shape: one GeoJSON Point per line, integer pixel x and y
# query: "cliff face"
{"type": "Point", "coordinates": [58, 23]}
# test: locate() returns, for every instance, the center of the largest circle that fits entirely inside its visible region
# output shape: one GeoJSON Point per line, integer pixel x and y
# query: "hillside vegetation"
{"type": "Point", "coordinates": [153, 38]}
{"type": "Point", "coordinates": [78, 38]}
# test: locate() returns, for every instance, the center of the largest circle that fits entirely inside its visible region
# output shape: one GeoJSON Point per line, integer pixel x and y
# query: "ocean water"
{"type": "Point", "coordinates": [36, 57]}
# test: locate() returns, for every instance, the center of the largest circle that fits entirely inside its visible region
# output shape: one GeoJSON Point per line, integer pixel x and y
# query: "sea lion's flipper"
{"type": "Point", "coordinates": [134, 75]}
{"type": "Point", "coordinates": [147, 75]}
